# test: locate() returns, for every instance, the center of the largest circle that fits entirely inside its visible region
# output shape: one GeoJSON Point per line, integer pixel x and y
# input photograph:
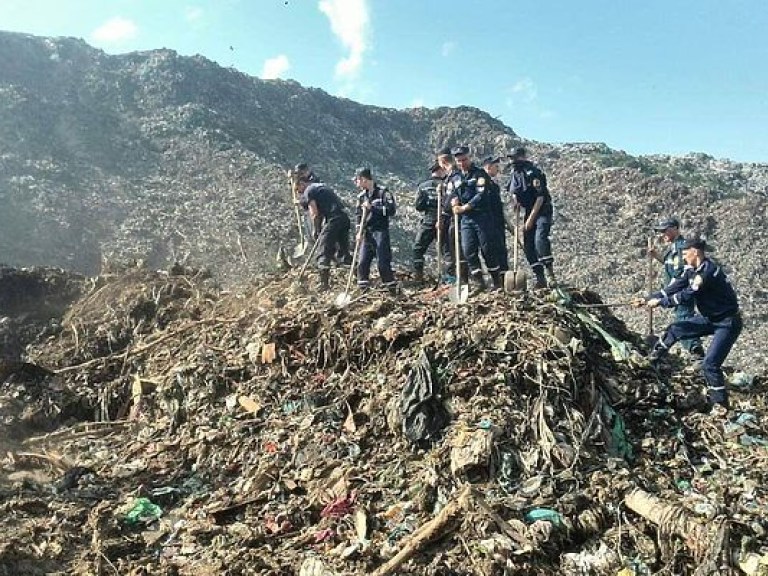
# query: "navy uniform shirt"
{"type": "Point", "coordinates": [674, 263]}
{"type": "Point", "coordinates": [382, 207]}
{"type": "Point", "coordinates": [521, 184]}
{"type": "Point", "coordinates": [707, 286]}
{"type": "Point", "coordinates": [495, 205]}
{"type": "Point", "coordinates": [325, 198]}
{"type": "Point", "coordinates": [470, 188]}
{"type": "Point", "coordinates": [426, 200]}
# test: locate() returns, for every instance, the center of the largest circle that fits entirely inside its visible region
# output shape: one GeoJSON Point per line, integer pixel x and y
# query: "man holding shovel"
{"type": "Point", "coordinates": [330, 224]}
{"type": "Point", "coordinates": [528, 186]}
{"type": "Point", "coordinates": [375, 206]}
{"type": "Point", "coordinates": [428, 200]}
{"type": "Point", "coordinates": [468, 189]}
{"type": "Point", "coordinates": [704, 284]}
{"type": "Point", "coordinates": [674, 266]}
{"type": "Point", "coordinates": [496, 211]}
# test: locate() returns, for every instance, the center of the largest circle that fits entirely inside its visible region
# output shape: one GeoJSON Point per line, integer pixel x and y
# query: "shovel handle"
{"type": "Point", "coordinates": [358, 240]}
{"type": "Point", "coordinates": [439, 233]}
{"type": "Point", "coordinates": [457, 251]}
{"type": "Point", "coordinates": [650, 284]}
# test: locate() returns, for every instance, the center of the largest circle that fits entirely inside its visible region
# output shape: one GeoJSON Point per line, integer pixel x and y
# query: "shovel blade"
{"type": "Point", "coordinates": [460, 294]}
{"type": "Point", "coordinates": [515, 281]}
{"type": "Point", "coordinates": [342, 300]}
{"type": "Point", "coordinates": [299, 251]}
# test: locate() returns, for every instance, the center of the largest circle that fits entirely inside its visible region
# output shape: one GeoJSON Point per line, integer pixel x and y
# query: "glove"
{"type": "Point", "coordinates": [653, 303]}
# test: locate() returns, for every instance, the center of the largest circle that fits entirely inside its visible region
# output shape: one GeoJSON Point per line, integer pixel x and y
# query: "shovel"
{"type": "Point", "coordinates": [308, 260]}
{"type": "Point", "coordinates": [515, 280]}
{"type": "Point", "coordinates": [650, 338]}
{"type": "Point", "coordinates": [344, 298]}
{"type": "Point", "coordinates": [301, 248]}
{"type": "Point", "coordinates": [460, 292]}
{"type": "Point", "coordinates": [605, 305]}
{"type": "Point", "coordinates": [439, 246]}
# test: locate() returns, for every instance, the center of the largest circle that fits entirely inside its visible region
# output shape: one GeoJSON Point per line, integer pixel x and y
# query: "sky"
{"type": "Point", "coordinates": [646, 77]}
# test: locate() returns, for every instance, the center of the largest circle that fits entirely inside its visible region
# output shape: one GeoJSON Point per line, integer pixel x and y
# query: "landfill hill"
{"type": "Point", "coordinates": [162, 158]}
{"type": "Point", "coordinates": [153, 423]}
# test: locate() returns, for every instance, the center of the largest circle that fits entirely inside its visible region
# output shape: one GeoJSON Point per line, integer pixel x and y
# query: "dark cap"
{"type": "Point", "coordinates": [301, 167]}
{"type": "Point", "coordinates": [363, 173]}
{"type": "Point", "coordinates": [696, 242]}
{"type": "Point", "coordinates": [518, 152]}
{"type": "Point", "coordinates": [460, 151]}
{"type": "Point", "coordinates": [434, 167]}
{"type": "Point", "coordinates": [666, 224]}
{"type": "Point", "coordinates": [445, 151]}
{"type": "Point", "coordinates": [491, 160]}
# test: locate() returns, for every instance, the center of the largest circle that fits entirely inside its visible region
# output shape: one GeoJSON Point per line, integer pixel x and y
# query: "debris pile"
{"type": "Point", "coordinates": [273, 433]}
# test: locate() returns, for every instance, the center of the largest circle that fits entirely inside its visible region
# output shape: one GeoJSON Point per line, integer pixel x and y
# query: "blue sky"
{"type": "Point", "coordinates": [647, 77]}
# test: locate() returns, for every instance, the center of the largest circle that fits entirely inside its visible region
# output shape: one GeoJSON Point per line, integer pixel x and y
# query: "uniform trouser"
{"type": "Point", "coordinates": [503, 254]}
{"type": "Point", "coordinates": [536, 245]}
{"type": "Point", "coordinates": [426, 235]}
{"type": "Point", "coordinates": [478, 236]}
{"type": "Point", "coordinates": [724, 333]}
{"type": "Point", "coordinates": [375, 244]}
{"type": "Point", "coordinates": [334, 239]}
{"type": "Point", "coordinates": [683, 312]}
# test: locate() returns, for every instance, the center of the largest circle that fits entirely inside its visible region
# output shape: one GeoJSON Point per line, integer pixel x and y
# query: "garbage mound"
{"type": "Point", "coordinates": [273, 433]}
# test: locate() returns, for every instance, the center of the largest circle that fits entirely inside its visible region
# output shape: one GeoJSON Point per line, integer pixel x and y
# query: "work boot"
{"type": "Point", "coordinates": [540, 282]}
{"type": "Point", "coordinates": [550, 274]}
{"type": "Point", "coordinates": [449, 279]}
{"type": "Point", "coordinates": [479, 283]}
{"type": "Point", "coordinates": [497, 281]}
{"type": "Point", "coordinates": [325, 275]}
{"type": "Point", "coordinates": [658, 352]}
{"type": "Point", "coordinates": [697, 352]}
{"type": "Point", "coordinates": [346, 260]}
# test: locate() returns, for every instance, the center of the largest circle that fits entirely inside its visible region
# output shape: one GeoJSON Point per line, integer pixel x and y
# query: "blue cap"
{"type": "Point", "coordinates": [460, 151]}
{"type": "Point", "coordinates": [491, 160]}
{"type": "Point", "coordinates": [666, 224]}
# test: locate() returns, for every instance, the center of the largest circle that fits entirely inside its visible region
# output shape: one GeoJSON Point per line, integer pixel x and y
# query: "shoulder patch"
{"type": "Point", "coordinates": [696, 282]}
{"type": "Point", "coordinates": [481, 181]}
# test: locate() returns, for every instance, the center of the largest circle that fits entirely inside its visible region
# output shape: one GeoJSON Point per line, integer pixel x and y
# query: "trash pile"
{"type": "Point", "coordinates": [175, 428]}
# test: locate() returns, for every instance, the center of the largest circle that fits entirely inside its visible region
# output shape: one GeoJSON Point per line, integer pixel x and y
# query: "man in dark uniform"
{"type": "Point", "coordinates": [374, 231]}
{"type": "Point", "coordinates": [468, 189]}
{"type": "Point", "coordinates": [427, 200]}
{"type": "Point", "coordinates": [330, 223]}
{"type": "Point", "coordinates": [496, 211]}
{"type": "Point", "coordinates": [704, 283]}
{"type": "Point", "coordinates": [674, 266]}
{"type": "Point", "coordinates": [528, 185]}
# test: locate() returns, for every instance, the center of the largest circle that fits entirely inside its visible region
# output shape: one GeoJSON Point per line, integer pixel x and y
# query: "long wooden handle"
{"type": "Point", "coordinates": [457, 251]}
{"type": "Point", "coordinates": [358, 241]}
{"type": "Point", "coordinates": [439, 248]}
{"type": "Point", "coordinates": [296, 207]}
{"type": "Point", "coordinates": [650, 284]}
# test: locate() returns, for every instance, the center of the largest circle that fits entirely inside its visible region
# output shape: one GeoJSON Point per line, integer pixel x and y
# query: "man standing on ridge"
{"type": "Point", "coordinates": [674, 266]}
{"type": "Point", "coordinates": [704, 284]}
{"type": "Point", "coordinates": [427, 200]}
{"type": "Point", "coordinates": [528, 185]}
{"type": "Point", "coordinates": [330, 224]}
{"type": "Point", "coordinates": [373, 233]}
{"type": "Point", "coordinates": [468, 189]}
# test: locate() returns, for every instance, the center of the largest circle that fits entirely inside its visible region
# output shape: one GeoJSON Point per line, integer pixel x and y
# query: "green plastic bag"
{"type": "Point", "coordinates": [143, 510]}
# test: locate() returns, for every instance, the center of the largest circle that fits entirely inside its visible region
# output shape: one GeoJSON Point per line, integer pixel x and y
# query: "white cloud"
{"type": "Point", "coordinates": [115, 30]}
{"type": "Point", "coordinates": [525, 90]}
{"type": "Point", "coordinates": [194, 15]}
{"type": "Point", "coordinates": [447, 48]}
{"type": "Point", "coordinates": [275, 67]}
{"type": "Point", "coordinates": [350, 23]}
